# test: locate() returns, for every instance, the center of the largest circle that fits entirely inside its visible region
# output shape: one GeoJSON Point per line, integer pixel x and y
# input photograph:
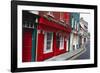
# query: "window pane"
{"type": "Point", "coordinates": [72, 22]}
{"type": "Point", "coordinates": [49, 36]}
{"type": "Point", "coordinates": [48, 41]}
{"type": "Point", "coordinates": [58, 41]}
{"type": "Point", "coordinates": [61, 42]}
{"type": "Point", "coordinates": [48, 47]}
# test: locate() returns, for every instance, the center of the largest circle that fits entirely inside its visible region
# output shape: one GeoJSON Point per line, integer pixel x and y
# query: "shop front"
{"type": "Point", "coordinates": [52, 38]}
{"type": "Point", "coordinates": [29, 35]}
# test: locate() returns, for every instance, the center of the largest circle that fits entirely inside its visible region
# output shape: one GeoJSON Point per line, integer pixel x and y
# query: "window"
{"type": "Point", "coordinates": [75, 24]}
{"type": "Point", "coordinates": [60, 42]}
{"type": "Point", "coordinates": [50, 14]}
{"type": "Point", "coordinates": [77, 46]}
{"type": "Point", "coordinates": [85, 27]}
{"type": "Point", "coordinates": [67, 45]}
{"type": "Point", "coordinates": [48, 42]}
{"type": "Point", "coordinates": [61, 16]}
{"type": "Point", "coordinates": [73, 47]}
{"type": "Point", "coordinates": [72, 22]}
{"type": "Point", "coordinates": [84, 40]}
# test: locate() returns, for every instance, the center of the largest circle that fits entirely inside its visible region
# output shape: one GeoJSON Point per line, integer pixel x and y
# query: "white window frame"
{"type": "Point", "coordinates": [75, 24]}
{"type": "Point", "coordinates": [50, 13]}
{"type": "Point", "coordinates": [61, 19]}
{"type": "Point", "coordinates": [61, 41]}
{"type": "Point", "coordinates": [72, 22]}
{"type": "Point", "coordinates": [67, 45]}
{"type": "Point", "coordinates": [45, 43]}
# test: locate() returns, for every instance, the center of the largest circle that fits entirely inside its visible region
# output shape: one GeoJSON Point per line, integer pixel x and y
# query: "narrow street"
{"type": "Point", "coordinates": [86, 54]}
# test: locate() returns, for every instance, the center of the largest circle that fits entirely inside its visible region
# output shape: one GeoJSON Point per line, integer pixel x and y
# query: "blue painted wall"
{"type": "Point", "coordinates": [76, 17]}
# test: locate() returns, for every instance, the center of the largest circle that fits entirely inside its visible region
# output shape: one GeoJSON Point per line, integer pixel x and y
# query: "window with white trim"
{"type": "Point", "coordinates": [72, 22]}
{"type": "Point", "coordinates": [77, 26]}
{"type": "Point", "coordinates": [61, 17]}
{"type": "Point", "coordinates": [60, 42]}
{"type": "Point", "coordinates": [50, 14]}
{"type": "Point", "coordinates": [48, 42]}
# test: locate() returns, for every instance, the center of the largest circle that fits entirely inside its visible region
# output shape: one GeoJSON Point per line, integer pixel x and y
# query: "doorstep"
{"type": "Point", "coordinates": [68, 55]}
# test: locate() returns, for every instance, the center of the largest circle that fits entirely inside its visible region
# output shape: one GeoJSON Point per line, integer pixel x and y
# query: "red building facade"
{"type": "Point", "coordinates": [52, 34]}
{"type": "Point", "coordinates": [45, 35]}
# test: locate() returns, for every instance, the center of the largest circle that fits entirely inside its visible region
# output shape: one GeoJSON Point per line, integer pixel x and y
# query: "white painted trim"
{"type": "Point", "coordinates": [75, 24]}
{"type": "Point", "coordinates": [72, 22]}
{"type": "Point", "coordinates": [61, 18]}
{"type": "Point", "coordinates": [34, 12]}
{"type": "Point", "coordinates": [38, 31]}
{"type": "Point", "coordinates": [67, 45]}
{"type": "Point", "coordinates": [45, 40]}
{"type": "Point", "coordinates": [61, 47]}
{"type": "Point", "coordinates": [71, 41]}
{"type": "Point", "coordinates": [50, 13]}
{"type": "Point", "coordinates": [37, 44]}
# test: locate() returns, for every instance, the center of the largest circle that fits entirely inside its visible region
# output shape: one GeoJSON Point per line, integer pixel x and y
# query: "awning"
{"type": "Point", "coordinates": [47, 25]}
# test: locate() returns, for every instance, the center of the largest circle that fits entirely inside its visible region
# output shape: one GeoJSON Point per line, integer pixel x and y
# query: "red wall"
{"type": "Point", "coordinates": [56, 15]}
{"type": "Point", "coordinates": [65, 15]}
{"type": "Point", "coordinates": [58, 51]}
{"type": "Point", "coordinates": [40, 47]}
{"type": "Point", "coordinates": [27, 45]}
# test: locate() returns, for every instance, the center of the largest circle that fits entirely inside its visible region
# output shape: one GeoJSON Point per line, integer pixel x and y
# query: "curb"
{"type": "Point", "coordinates": [67, 56]}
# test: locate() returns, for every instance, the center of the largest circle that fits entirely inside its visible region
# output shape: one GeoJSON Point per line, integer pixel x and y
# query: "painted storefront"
{"type": "Point", "coordinates": [49, 34]}
{"type": "Point", "coordinates": [74, 37]}
{"type": "Point", "coordinates": [53, 33]}
{"type": "Point", "coordinates": [45, 34]}
{"type": "Point", "coordinates": [29, 35]}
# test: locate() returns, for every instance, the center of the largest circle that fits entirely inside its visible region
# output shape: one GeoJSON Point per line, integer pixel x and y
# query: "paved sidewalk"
{"type": "Point", "coordinates": [68, 55]}
{"type": "Point", "coordinates": [86, 54]}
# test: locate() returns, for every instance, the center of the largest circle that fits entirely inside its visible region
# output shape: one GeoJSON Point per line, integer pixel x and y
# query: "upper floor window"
{"type": "Point", "coordinates": [85, 27]}
{"type": "Point", "coordinates": [50, 14]}
{"type": "Point", "coordinates": [61, 17]}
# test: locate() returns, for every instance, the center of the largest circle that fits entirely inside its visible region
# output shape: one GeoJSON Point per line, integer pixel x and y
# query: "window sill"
{"type": "Point", "coordinates": [49, 51]}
